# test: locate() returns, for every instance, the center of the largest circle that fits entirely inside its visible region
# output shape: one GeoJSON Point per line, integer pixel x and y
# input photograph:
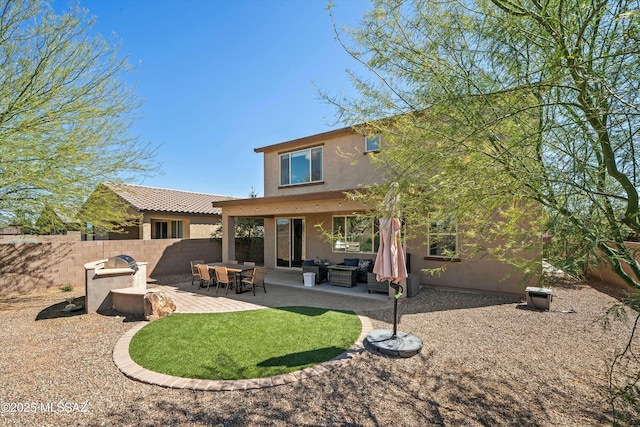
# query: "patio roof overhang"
{"type": "Point", "coordinates": [327, 201]}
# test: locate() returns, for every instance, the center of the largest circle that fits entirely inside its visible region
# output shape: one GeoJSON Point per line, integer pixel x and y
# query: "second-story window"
{"type": "Point", "coordinates": [301, 167]}
{"type": "Point", "coordinates": [372, 143]}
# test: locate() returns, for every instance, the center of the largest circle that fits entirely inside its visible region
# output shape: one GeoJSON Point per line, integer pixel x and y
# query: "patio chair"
{"type": "Point", "coordinates": [374, 286]}
{"type": "Point", "coordinates": [245, 275]}
{"type": "Point", "coordinates": [222, 278]}
{"type": "Point", "coordinates": [256, 279]}
{"type": "Point", "coordinates": [205, 276]}
{"type": "Point", "coordinates": [194, 270]}
{"type": "Point", "coordinates": [320, 271]}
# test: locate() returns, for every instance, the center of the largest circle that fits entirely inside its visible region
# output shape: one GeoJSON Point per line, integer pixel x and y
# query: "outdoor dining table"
{"type": "Point", "coordinates": [236, 269]}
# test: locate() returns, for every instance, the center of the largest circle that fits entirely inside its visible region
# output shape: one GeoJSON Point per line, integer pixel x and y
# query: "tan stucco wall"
{"type": "Point", "coordinates": [478, 272]}
{"type": "Point", "coordinates": [202, 227]}
{"type": "Point", "coordinates": [317, 246]}
{"type": "Point", "coordinates": [201, 231]}
{"type": "Point", "coordinates": [344, 166]}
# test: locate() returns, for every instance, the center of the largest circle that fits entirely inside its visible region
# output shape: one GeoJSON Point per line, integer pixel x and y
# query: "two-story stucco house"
{"type": "Point", "coordinates": [305, 181]}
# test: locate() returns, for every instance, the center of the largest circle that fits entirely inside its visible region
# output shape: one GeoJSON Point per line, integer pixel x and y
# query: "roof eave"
{"type": "Point", "coordinates": [307, 139]}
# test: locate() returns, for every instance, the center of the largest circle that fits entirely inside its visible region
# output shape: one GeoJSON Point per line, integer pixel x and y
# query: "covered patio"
{"type": "Point", "coordinates": [291, 233]}
{"type": "Point", "coordinates": [293, 278]}
{"type": "Point", "coordinates": [284, 288]}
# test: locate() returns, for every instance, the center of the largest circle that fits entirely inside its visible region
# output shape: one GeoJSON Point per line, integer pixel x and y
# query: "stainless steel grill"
{"type": "Point", "coordinates": [121, 261]}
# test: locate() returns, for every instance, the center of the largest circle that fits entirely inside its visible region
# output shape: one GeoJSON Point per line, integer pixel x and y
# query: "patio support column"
{"type": "Point", "coordinates": [269, 242]}
{"type": "Point", "coordinates": [228, 237]}
{"type": "Point", "coordinates": [145, 229]}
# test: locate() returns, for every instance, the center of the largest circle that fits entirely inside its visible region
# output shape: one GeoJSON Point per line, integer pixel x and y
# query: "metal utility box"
{"type": "Point", "coordinates": [539, 298]}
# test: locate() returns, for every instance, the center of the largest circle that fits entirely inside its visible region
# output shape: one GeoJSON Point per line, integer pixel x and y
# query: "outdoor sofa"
{"type": "Point", "coordinates": [364, 266]}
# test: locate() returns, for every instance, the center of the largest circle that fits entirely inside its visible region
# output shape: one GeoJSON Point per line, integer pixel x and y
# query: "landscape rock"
{"type": "Point", "coordinates": [157, 305]}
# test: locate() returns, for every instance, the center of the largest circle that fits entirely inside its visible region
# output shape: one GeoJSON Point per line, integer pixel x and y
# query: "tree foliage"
{"type": "Point", "coordinates": [248, 230]}
{"type": "Point", "coordinates": [65, 117]}
{"type": "Point", "coordinates": [519, 116]}
{"type": "Point", "coordinates": [246, 227]}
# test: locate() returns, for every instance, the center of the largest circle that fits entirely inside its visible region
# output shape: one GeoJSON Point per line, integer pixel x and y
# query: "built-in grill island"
{"type": "Point", "coordinates": [121, 261]}
{"type": "Point", "coordinates": [116, 272]}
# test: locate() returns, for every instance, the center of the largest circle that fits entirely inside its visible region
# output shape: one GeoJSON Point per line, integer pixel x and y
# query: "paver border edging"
{"type": "Point", "coordinates": [131, 369]}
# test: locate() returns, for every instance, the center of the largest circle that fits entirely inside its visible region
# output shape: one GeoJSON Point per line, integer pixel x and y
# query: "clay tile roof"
{"type": "Point", "coordinates": [144, 198]}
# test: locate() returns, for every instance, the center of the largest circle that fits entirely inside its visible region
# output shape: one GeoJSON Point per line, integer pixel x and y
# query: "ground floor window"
{"type": "Point", "coordinates": [176, 229]}
{"type": "Point", "coordinates": [161, 230]}
{"type": "Point", "coordinates": [442, 237]}
{"type": "Point", "coordinates": [355, 233]}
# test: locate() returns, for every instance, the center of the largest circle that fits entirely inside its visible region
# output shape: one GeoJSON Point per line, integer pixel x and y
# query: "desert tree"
{"type": "Point", "coordinates": [248, 231]}
{"type": "Point", "coordinates": [66, 115]}
{"type": "Point", "coordinates": [517, 116]}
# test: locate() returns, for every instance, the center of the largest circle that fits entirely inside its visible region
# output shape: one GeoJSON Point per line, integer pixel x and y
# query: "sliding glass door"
{"type": "Point", "coordinates": [290, 242]}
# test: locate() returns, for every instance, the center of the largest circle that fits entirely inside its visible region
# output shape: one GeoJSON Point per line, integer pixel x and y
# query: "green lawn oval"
{"type": "Point", "coordinates": [244, 344]}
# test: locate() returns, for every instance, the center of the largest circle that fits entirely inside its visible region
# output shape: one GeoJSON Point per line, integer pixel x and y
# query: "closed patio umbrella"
{"type": "Point", "coordinates": [390, 267]}
{"type": "Point", "coordinates": [390, 264]}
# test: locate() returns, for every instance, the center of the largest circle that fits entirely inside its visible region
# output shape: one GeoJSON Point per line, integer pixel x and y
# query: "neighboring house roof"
{"type": "Point", "coordinates": [62, 216]}
{"type": "Point", "coordinates": [153, 199]}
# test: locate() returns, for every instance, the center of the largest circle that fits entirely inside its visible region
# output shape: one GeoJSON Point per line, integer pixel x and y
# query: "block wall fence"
{"type": "Point", "coordinates": [34, 264]}
{"type": "Point", "coordinates": [603, 272]}
{"type": "Point", "coordinates": [30, 264]}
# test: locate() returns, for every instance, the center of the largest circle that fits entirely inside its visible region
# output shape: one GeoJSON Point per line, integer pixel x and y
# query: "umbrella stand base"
{"type": "Point", "coordinates": [402, 345]}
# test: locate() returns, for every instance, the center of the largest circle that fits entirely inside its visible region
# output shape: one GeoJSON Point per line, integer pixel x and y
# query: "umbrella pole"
{"type": "Point", "coordinates": [397, 288]}
{"type": "Point", "coordinates": [395, 318]}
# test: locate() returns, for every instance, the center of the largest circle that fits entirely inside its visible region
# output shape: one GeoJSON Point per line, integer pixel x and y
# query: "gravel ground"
{"type": "Point", "coordinates": [487, 360]}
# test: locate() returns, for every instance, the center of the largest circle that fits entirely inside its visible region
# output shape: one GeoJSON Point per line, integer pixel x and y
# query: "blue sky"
{"type": "Point", "coordinates": [220, 78]}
